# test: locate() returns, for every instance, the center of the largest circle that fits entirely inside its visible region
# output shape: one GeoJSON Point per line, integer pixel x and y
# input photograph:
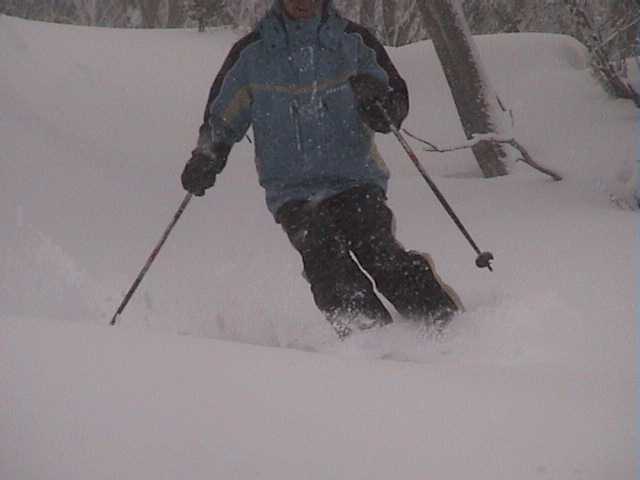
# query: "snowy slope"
{"type": "Point", "coordinates": [110, 405]}
{"type": "Point", "coordinates": [536, 380]}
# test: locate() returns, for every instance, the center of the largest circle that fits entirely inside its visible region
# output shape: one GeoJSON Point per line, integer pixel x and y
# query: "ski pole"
{"type": "Point", "coordinates": [484, 258]}
{"type": "Point", "coordinates": [151, 258]}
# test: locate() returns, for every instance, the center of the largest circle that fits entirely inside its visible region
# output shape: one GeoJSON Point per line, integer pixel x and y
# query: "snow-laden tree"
{"type": "Point", "coordinates": [60, 11]}
{"type": "Point", "coordinates": [246, 13]}
{"type": "Point", "coordinates": [201, 11]}
{"type": "Point", "coordinates": [401, 24]}
{"type": "Point", "coordinates": [494, 16]}
{"type": "Point", "coordinates": [107, 13]}
{"type": "Point", "coordinates": [609, 35]}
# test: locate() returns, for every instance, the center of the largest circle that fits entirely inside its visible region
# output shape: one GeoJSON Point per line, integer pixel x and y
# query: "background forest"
{"type": "Point", "coordinates": [392, 20]}
{"type": "Point", "coordinates": [607, 27]}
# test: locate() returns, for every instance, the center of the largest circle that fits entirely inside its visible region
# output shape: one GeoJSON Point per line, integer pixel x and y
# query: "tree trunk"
{"type": "Point", "coordinates": [473, 97]}
{"type": "Point", "coordinates": [176, 14]}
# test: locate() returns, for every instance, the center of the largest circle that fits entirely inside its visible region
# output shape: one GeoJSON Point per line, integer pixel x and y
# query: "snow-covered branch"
{"type": "Point", "coordinates": [487, 137]}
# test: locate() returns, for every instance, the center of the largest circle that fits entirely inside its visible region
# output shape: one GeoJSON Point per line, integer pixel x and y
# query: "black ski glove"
{"type": "Point", "coordinates": [370, 92]}
{"type": "Point", "coordinates": [201, 170]}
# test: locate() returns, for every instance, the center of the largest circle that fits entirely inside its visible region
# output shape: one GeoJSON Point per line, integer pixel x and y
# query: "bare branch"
{"type": "Point", "coordinates": [476, 139]}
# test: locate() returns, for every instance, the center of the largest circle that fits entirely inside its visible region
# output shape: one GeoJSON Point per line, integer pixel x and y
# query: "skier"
{"type": "Point", "coordinates": [312, 85]}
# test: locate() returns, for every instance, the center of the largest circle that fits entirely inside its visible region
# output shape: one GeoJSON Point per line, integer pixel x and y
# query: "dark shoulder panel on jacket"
{"type": "Point", "coordinates": [230, 61]}
{"type": "Point", "coordinates": [396, 82]}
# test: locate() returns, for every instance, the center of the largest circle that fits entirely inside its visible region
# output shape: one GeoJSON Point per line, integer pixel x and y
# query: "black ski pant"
{"type": "Point", "coordinates": [348, 234]}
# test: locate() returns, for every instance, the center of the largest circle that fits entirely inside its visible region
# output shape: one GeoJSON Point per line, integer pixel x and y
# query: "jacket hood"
{"type": "Point", "coordinates": [273, 27]}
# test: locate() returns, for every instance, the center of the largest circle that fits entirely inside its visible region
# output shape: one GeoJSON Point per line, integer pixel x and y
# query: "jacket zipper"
{"type": "Point", "coordinates": [295, 116]}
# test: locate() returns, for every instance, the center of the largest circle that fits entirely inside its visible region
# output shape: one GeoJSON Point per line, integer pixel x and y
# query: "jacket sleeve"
{"type": "Point", "coordinates": [374, 60]}
{"type": "Point", "coordinates": [227, 115]}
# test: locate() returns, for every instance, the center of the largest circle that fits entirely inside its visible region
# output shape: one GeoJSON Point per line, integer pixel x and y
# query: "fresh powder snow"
{"type": "Point", "coordinates": [221, 366]}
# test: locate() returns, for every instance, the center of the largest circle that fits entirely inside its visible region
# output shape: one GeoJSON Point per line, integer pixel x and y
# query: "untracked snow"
{"type": "Point", "coordinates": [221, 366]}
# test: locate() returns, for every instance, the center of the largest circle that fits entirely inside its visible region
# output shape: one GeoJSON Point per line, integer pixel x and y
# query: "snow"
{"type": "Point", "coordinates": [221, 366]}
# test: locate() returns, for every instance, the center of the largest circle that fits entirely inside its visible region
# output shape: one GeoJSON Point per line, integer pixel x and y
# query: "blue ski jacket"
{"type": "Point", "coordinates": [289, 81]}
